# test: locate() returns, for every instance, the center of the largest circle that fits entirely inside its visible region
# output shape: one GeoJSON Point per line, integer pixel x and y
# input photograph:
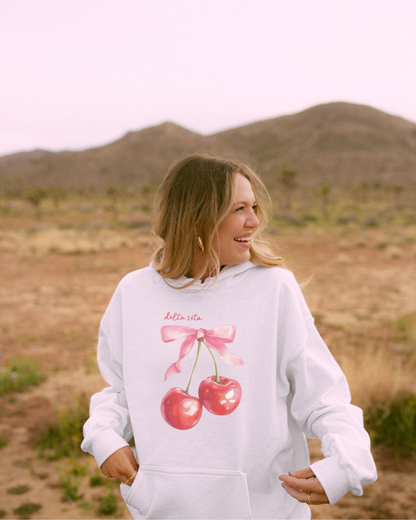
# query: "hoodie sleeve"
{"type": "Point", "coordinates": [321, 407]}
{"type": "Point", "coordinates": [109, 427]}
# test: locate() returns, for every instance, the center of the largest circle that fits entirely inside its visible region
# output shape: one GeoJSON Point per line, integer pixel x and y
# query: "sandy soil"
{"type": "Point", "coordinates": [50, 307]}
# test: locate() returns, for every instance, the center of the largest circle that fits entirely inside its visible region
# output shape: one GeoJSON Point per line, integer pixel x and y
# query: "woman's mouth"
{"type": "Point", "coordinates": [244, 241]}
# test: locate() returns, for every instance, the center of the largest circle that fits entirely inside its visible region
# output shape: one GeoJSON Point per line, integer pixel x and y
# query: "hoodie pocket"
{"type": "Point", "coordinates": [168, 493]}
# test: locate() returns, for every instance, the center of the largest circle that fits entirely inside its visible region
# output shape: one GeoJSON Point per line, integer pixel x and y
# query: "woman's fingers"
{"type": "Point", "coordinates": [312, 485]}
{"type": "Point", "coordinates": [303, 486]}
{"type": "Point", "coordinates": [121, 465]}
{"type": "Point", "coordinates": [129, 480]}
{"type": "Point", "coordinates": [303, 473]}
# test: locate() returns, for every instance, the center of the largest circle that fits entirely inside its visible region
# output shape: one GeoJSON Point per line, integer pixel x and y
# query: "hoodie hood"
{"type": "Point", "coordinates": [228, 275]}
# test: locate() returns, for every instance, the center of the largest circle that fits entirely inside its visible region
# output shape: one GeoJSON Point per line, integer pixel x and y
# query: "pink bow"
{"type": "Point", "coordinates": [215, 338]}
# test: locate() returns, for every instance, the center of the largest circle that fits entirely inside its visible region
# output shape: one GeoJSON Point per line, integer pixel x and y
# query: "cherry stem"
{"type": "Point", "coordinates": [193, 370]}
{"type": "Point", "coordinates": [217, 377]}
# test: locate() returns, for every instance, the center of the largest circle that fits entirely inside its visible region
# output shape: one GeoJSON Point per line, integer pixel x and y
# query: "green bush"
{"type": "Point", "coordinates": [393, 424]}
{"type": "Point", "coordinates": [27, 509]}
{"type": "Point", "coordinates": [70, 487]}
{"type": "Point", "coordinates": [63, 438]}
{"type": "Point", "coordinates": [108, 504]}
{"type": "Point", "coordinates": [18, 374]}
{"type": "Point", "coordinates": [96, 480]}
{"type": "Point", "coordinates": [18, 490]}
{"type": "Point", "coordinates": [3, 441]}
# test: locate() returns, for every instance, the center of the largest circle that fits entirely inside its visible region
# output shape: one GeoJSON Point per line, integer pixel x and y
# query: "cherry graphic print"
{"type": "Point", "coordinates": [220, 398]}
{"type": "Point", "coordinates": [219, 395]}
{"type": "Point", "coordinates": [180, 410]}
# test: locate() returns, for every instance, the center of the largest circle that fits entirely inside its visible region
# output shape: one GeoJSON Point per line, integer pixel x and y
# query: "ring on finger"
{"type": "Point", "coordinates": [308, 498]}
{"type": "Point", "coordinates": [129, 478]}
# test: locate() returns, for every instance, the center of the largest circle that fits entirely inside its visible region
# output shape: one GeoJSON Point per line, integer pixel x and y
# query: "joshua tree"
{"type": "Point", "coordinates": [363, 189]}
{"type": "Point", "coordinates": [287, 177]}
{"type": "Point", "coordinates": [35, 197]}
{"type": "Point", "coordinates": [57, 194]}
{"type": "Point", "coordinates": [397, 190]}
{"type": "Point", "coordinates": [113, 193]}
{"type": "Point", "coordinates": [324, 190]}
{"type": "Point", "coordinates": [147, 189]}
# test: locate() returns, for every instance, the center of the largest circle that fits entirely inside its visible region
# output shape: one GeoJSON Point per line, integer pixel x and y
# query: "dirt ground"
{"type": "Point", "coordinates": [51, 305]}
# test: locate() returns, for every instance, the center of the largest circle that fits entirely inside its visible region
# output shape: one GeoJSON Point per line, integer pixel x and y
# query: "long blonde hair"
{"type": "Point", "coordinates": [194, 198]}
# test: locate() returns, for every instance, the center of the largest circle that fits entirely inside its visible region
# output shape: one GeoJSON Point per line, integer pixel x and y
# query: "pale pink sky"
{"type": "Point", "coordinates": [81, 73]}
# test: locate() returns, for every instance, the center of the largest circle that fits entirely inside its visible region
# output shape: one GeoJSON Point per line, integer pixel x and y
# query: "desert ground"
{"type": "Point", "coordinates": [57, 276]}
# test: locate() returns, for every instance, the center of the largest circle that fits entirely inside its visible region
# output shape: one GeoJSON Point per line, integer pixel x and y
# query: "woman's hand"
{"type": "Point", "coordinates": [303, 485]}
{"type": "Point", "coordinates": [121, 465]}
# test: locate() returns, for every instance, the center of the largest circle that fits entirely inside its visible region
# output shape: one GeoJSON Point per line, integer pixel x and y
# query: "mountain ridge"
{"type": "Point", "coordinates": [337, 142]}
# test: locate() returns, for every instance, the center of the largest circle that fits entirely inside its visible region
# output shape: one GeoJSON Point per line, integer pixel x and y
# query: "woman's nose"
{"type": "Point", "coordinates": [252, 221]}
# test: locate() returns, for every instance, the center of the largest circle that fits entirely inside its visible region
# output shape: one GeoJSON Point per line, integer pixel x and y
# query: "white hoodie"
{"type": "Point", "coordinates": [226, 466]}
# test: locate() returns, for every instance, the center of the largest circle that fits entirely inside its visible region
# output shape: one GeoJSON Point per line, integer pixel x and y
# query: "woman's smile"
{"type": "Point", "coordinates": [233, 240]}
{"type": "Point", "coordinates": [244, 240]}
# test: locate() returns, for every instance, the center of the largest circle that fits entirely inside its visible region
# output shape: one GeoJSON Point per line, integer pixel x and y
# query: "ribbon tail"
{"type": "Point", "coordinates": [186, 347]}
{"type": "Point", "coordinates": [223, 352]}
{"type": "Point", "coordinates": [173, 369]}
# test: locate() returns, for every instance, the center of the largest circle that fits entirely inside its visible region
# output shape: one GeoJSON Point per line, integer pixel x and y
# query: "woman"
{"type": "Point", "coordinates": [220, 430]}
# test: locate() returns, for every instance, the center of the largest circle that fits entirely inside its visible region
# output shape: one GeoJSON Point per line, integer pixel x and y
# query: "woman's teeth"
{"type": "Point", "coordinates": [242, 239]}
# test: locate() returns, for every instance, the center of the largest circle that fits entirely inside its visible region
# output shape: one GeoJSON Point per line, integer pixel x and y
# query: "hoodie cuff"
{"type": "Point", "coordinates": [105, 443]}
{"type": "Point", "coordinates": [334, 478]}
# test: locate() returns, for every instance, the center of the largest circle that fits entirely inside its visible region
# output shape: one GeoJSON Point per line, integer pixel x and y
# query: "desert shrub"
{"type": "Point", "coordinates": [18, 490]}
{"type": "Point", "coordinates": [69, 484]}
{"type": "Point", "coordinates": [146, 208]}
{"type": "Point", "coordinates": [108, 504]}
{"type": "Point", "coordinates": [77, 469]}
{"type": "Point", "coordinates": [289, 218]}
{"type": "Point", "coordinates": [18, 374]}
{"type": "Point", "coordinates": [27, 509]}
{"type": "Point", "coordinates": [347, 218]}
{"type": "Point", "coordinates": [139, 223]}
{"type": "Point", "coordinates": [372, 220]}
{"type": "Point", "coordinates": [70, 480]}
{"type": "Point", "coordinates": [64, 436]}
{"type": "Point", "coordinates": [309, 217]}
{"type": "Point", "coordinates": [393, 423]}
{"type": "Point", "coordinates": [3, 441]}
{"type": "Point", "coordinates": [86, 506]}
{"type": "Point", "coordinates": [407, 324]}
{"type": "Point", "coordinates": [96, 480]}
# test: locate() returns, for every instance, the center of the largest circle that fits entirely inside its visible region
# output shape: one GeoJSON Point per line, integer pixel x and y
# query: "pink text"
{"type": "Point", "coordinates": [177, 316]}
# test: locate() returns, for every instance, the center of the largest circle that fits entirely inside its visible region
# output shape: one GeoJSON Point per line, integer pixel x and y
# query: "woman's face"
{"type": "Point", "coordinates": [232, 242]}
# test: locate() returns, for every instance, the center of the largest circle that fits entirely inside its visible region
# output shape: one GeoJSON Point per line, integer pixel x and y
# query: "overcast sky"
{"type": "Point", "coordinates": [80, 73]}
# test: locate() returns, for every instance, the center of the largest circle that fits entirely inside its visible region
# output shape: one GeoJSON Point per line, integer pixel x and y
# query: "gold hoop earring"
{"type": "Point", "coordinates": [199, 243]}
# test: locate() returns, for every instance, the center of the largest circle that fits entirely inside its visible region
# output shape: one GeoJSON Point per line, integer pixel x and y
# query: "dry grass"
{"type": "Point", "coordinates": [364, 300]}
{"type": "Point", "coordinates": [71, 241]}
{"type": "Point", "coordinates": [375, 375]}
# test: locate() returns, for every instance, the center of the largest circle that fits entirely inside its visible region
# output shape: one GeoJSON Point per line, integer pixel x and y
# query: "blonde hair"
{"type": "Point", "coordinates": [194, 198]}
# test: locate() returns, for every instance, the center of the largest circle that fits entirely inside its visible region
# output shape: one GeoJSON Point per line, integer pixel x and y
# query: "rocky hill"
{"type": "Point", "coordinates": [339, 142]}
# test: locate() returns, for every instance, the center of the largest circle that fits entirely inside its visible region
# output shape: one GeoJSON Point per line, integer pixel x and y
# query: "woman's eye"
{"type": "Point", "coordinates": [238, 209]}
{"type": "Point", "coordinates": [255, 209]}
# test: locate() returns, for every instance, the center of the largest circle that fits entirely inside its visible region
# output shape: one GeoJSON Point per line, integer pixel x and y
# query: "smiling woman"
{"type": "Point", "coordinates": [232, 242]}
{"type": "Point", "coordinates": [234, 447]}
{"type": "Point", "coordinates": [210, 214]}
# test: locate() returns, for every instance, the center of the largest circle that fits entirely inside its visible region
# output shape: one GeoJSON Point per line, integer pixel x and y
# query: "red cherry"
{"type": "Point", "coordinates": [180, 410]}
{"type": "Point", "coordinates": [220, 398]}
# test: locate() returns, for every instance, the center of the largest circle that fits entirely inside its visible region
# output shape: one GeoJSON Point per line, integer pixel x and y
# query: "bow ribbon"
{"type": "Point", "coordinates": [215, 338]}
